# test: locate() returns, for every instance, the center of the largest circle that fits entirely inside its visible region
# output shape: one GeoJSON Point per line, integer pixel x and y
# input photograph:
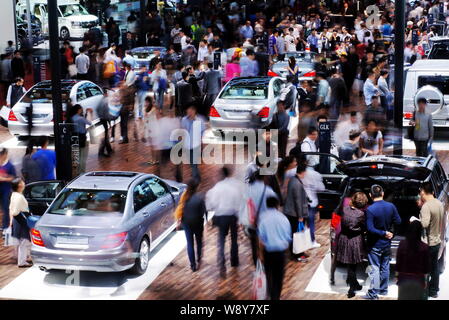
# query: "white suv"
{"type": "Point", "coordinates": [428, 79]}
{"type": "Point", "coordinates": [73, 19]}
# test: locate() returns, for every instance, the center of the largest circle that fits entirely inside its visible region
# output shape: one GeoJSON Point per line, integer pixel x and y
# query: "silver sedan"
{"type": "Point", "coordinates": [245, 103]}
{"type": "Point", "coordinates": [106, 221]}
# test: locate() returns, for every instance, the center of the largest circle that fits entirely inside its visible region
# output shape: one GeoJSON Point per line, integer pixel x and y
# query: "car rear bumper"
{"type": "Point", "coordinates": [237, 124]}
{"type": "Point", "coordinates": [39, 129]}
{"type": "Point", "coordinates": [115, 260]}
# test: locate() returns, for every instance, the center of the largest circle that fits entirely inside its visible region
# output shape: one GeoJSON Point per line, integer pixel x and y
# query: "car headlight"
{"type": "Point", "coordinates": [76, 24]}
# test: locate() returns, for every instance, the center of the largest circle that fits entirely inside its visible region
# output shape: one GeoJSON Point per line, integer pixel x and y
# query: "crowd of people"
{"type": "Point", "coordinates": [350, 90]}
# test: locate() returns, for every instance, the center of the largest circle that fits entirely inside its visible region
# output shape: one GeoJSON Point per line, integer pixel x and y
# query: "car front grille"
{"type": "Point", "coordinates": [88, 24]}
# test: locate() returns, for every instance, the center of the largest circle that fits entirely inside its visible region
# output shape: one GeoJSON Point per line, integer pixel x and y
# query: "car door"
{"type": "Point", "coordinates": [166, 204]}
{"type": "Point", "coordinates": [441, 184]}
{"type": "Point", "coordinates": [95, 98]}
{"type": "Point", "coordinates": [143, 204]}
{"type": "Point", "coordinates": [41, 194]}
{"type": "Point", "coordinates": [333, 178]}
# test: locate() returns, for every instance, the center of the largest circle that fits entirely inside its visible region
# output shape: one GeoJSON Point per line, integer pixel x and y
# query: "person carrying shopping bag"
{"type": "Point", "coordinates": [18, 211]}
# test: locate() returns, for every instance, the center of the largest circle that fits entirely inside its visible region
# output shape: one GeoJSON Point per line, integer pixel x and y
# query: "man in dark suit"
{"type": "Point", "coordinates": [212, 86]}
{"type": "Point", "coordinates": [17, 65]}
{"type": "Point", "coordinates": [184, 94]}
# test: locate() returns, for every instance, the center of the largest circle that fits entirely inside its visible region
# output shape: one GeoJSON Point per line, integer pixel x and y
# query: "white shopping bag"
{"type": "Point", "coordinates": [259, 283]}
{"type": "Point", "coordinates": [9, 240]}
{"type": "Point", "coordinates": [73, 71]}
{"type": "Point", "coordinates": [302, 240]}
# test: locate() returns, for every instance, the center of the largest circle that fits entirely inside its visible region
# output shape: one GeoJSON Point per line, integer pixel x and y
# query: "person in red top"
{"type": "Point", "coordinates": [69, 53]}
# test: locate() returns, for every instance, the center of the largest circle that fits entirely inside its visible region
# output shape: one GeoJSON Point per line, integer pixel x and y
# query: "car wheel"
{"type": "Point", "coordinates": [442, 262]}
{"type": "Point", "coordinates": [143, 259]}
{"type": "Point", "coordinates": [64, 34]}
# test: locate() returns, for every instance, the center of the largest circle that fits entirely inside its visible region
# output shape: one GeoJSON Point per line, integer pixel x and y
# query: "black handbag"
{"type": "Point", "coordinates": [22, 218]}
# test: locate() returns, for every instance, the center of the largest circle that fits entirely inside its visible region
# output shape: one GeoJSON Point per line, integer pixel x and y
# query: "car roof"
{"type": "Point", "coordinates": [257, 81]}
{"type": "Point", "coordinates": [430, 64]}
{"type": "Point", "coordinates": [65, 84]}
{"type": "Point", "coordinates": [439, 39]}
{"type": "Point", "coordinates": [148, 48]}
{"type": "Point", "coordinates": [404, 166]}
{"type": "Point", "coordinates": [105, 180]}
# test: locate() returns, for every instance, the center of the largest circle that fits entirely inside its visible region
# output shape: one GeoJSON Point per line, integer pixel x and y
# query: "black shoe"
{"type": "Point", "coordinates": [358, 287]}
{"type": "Point", "coordinates": [351, 294]}
{"type": "Point", "coordinates": [104, 155]}
{"type": "Point", "coordinates": [194, 268]}
{"type": "Point", "coordinates": [223, 273]}
{"type": "Point", "coordinates": [332, 282]}
{"type": "Point", "coordinates": [433, 295]}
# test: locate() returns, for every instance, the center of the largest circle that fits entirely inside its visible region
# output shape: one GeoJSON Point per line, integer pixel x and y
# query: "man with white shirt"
{"type": "Point", "coordinates": [82, 63]}
{"type": "Point", "coordinates": [309, 145]}
{"type": "Point", "coordinates": [129, 59]}
{"type": "Point", "coordinates": [183, 41]}
{"type": "Point", "coordinates": [290, 43]}
{"type": "Point", "coordinates": [343, 128]}
{"type": "Point", "coordinates": [203, 51]}
{"type": "Point", "coordinates": [225, 200]}
{"type": "Point", "coordinates": [130, 75]}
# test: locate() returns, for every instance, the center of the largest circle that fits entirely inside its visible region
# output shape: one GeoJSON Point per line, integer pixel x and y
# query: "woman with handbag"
{"type": "Point", "coordinates": [190, 215]}
{"type": "Point", "coordinates": [350, 247]}
{"type": "Point", "coordinates": [18, 212]}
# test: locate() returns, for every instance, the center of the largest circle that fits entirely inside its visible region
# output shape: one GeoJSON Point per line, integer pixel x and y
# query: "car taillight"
{"type": "Point", "coordinates": [408, 115]}
{"type": "Point", "coordinates": [36, 238]}
{"type": "Point", "coordinates": [12, 116]}
{"type": "Point", "coordinates": [310, 74]}
{"type": "Point", "coordinates": [272, 74]}
{"type": "Point", "coordinates": [264, 112]}
{"type": "Point", "coordinates": [114, 240]}
{"type": "Point", "coordinates": [373, 166]}
{"type": "Point", "coordinates": [213, 112]}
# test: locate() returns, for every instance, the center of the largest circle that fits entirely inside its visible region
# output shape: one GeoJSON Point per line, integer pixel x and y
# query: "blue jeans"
{"type": "Point", "coordinates": [196, 233]}
{"type": "Point", "coordinates": [311, 222]}
{"type": "Point", "coordinates": [160, 98]}
{"type": "Point", "coordinates": [141, 95]}
{"type": "Point", "coordinates": [379, 271]}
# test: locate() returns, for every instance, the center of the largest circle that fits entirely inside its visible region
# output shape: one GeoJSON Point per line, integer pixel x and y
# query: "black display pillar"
{"type": "Point", "coordinates": [399, 38]}
{"type": "Point", "coordinates": [63, 156]}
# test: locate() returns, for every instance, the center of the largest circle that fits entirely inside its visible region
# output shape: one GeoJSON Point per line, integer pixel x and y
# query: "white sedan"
{"type": "Point", "coordinates": [85, 93]}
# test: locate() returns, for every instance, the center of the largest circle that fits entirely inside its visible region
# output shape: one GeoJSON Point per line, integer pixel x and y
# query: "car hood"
{"type": "Point", "coordinates": [384, 166]}
{"type": "Point", "coordinates": [107, 221]}
{"type": "Point", "coordinates": [82, 18]}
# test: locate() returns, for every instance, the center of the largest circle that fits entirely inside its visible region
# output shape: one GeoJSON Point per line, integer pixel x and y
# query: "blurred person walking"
{"type": "Point", "coordinates": [184, 94]}
{"type": "Point", "coordinates": [159, 81]}
{"type": "Point", "coordinates": [275, 236]}
{"type": "Point", "coordinates": [350, 246]}
{"type": "Point", "coordinates": [82, 63]}
{"type": "Point", "coordinates": [413, 264]}
{"type": "Point", "coordinates": [280, 122]}
{"type": "Point", "coordinates": [190, 215]}
{"type": "Point", "coordinates": [432, 220]}
{"type": "Point", "coordinates": [195, 126]}
{"type": "Point", "coordinates": [46, 160]}
{"type": "Point", "coordinates": [30, 168]}
{"type": "Point", "coordinates": [225, 200]}
{"type": "Point", "coordinates": [7, 175]}
{"type": "Point", "coordinates": [296, 203]}
{"type": "Point", "coordinates": [18, 209]}
{"type": "Point", "coordinates": [105, 149]}
{"type": "Point", "coordinates": [212, 86]}
{"type": "Point", "coordinates": [17, 65]}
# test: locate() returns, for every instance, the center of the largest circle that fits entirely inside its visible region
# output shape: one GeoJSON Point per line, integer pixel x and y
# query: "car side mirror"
{"type": "Point", "coordinates": [174, 190]}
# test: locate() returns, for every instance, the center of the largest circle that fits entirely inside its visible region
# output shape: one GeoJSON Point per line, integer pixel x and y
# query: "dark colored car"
{"type": "Point", "coordinates": [401, 178]}
{"type": "Point", "coordinates": [22, 33]}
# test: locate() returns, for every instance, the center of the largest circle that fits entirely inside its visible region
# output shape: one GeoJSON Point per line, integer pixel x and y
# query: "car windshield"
{"type": "Point", "coordinates": [76, 202]}
{"type": "Point", "coordinates": [44, 95]}
{"type": "Point", "coordinates": [250, 92]}
{"type": "Point", "coordinates": [440, 82]}
{"type": "Point", "coordinates": [73, 10]}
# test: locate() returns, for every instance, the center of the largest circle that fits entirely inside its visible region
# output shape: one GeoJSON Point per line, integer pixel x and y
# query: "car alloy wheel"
{"type": "Point", "coordinates": [144, 254]}
{"type": "Point", "coordinates": [64, 34]}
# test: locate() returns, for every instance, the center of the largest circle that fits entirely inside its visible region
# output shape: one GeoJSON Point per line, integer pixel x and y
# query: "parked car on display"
{"type": "Point", "coordinates": [85, 93]}
{"type": "Point", "coordinates": [304, 60]}
{"type": "Point", "coordinates": [143, 55]}
{"type": "Point", "coordinates": [245, 103]}
{"type": "Point", "coordinates": [22, 33]}
{"type": "Point", "coordinates": [73, 19]}
{"type": "Point", "coordinates": [105, 222]}
{"type": "Point", "coordinates": [428, 79]}
{"type": "Point", "coordinates": [400, 177]}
